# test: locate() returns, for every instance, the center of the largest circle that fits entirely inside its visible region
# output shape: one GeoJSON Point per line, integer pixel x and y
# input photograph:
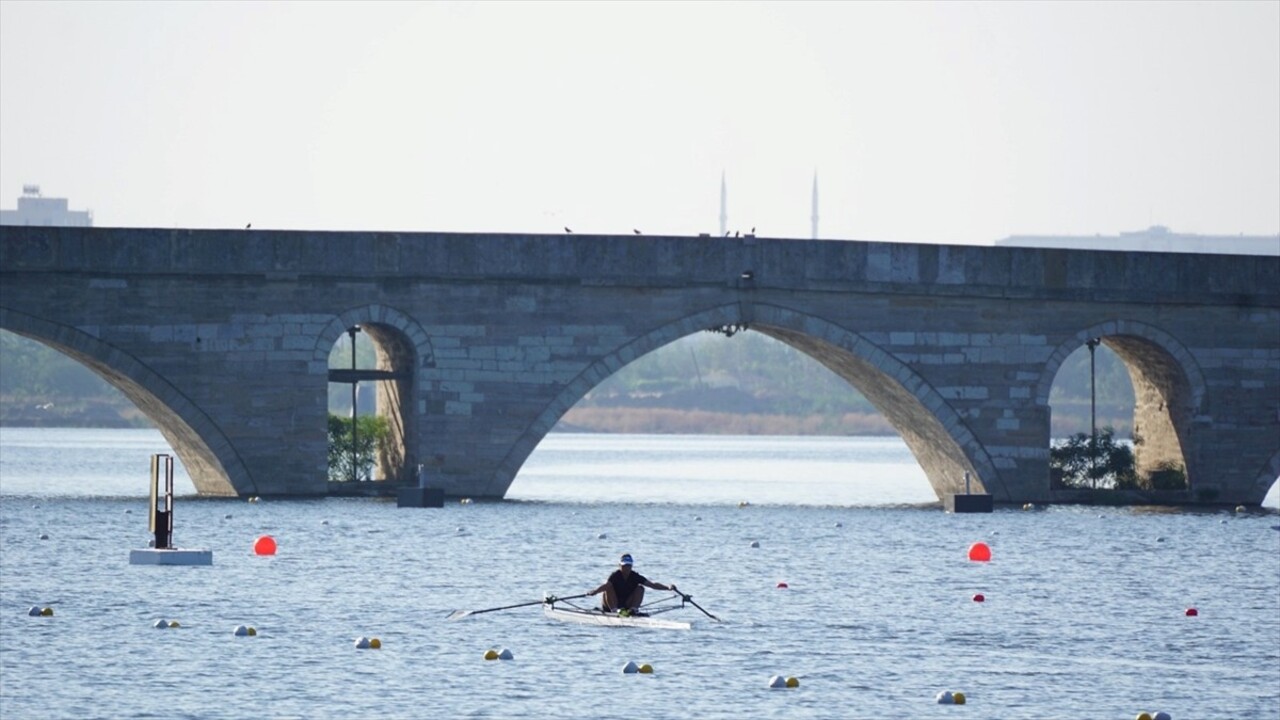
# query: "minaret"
{"type": "Point", "coordinates": [814, 217]}
{"type": "Point", "coordinates": [724, 208]}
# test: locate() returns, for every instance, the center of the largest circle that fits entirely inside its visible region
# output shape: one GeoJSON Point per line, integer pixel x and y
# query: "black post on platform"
{"type": "Point", "coordinates": [162, 505]}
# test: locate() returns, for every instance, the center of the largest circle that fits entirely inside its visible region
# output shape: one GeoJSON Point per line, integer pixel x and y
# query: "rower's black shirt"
{"type": "Point", "coordinates": [624, 586]}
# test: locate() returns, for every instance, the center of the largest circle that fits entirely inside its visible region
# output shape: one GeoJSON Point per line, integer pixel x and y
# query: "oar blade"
{"type": "Point", "coordinates": [459, 614]}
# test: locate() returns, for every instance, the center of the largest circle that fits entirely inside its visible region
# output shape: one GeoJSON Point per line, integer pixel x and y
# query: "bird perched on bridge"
{"type": "Point", "coordinates": [635, 231]}
{"type": "Point", "coordinates": [246, 227]}
{"type": "Point", "coordinates": [568, 230]}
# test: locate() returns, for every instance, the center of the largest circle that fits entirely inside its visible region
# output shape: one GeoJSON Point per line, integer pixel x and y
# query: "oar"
{"type": "Point", "coordinates": [459, 614]}
{"type": "Point", "coordinates": [689, 599]}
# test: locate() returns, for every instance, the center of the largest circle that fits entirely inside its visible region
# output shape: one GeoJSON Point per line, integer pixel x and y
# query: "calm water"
{"type": "Point", "coordinates": [1084, 615]}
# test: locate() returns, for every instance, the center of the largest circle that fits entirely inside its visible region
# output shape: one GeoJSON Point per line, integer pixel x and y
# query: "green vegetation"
{"type": "Point", "coordinates": [1077, 462]}
{"type": "Point", "coordinates": [370, 437]}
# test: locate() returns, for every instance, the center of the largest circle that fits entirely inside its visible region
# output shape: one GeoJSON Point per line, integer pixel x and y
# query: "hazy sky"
{"type": "Point", "coordinates": [951, 122]}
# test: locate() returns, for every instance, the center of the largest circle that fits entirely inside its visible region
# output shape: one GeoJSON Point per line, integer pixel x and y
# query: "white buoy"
{"type": "Point", "coordinates": [839, 524]}
{"type": "Point", "coordinates": [1162, 715]}
{"type": "Point", "coordinates": [160, 624]}
{"type": "Point", "coordinates": [945, 698]}
{"type": "Point", "coordinates": [461, 530]}
{"type": "Point", "coordinates": [602, 536]}
{"type": "Point", "coordinates": [777, 681]}
{"type": "Point", "coordinates": [44, 536]}
{"type": "Point", "coordinates": [505, 654]}
{"type": "Point", "coordinates": [630, 668]}
{"type": "Point", "coordinates": [697, 518]}
{"type": "Point", "coordinates": [362, 643]}
{"type": "Point", "coordinates": [245, 631]}
{"type": "Point", "coordinates": [34, 611]}
{"type": "Point", "coordinates": [755, 543]}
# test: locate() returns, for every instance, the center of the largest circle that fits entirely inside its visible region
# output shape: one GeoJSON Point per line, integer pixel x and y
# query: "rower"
{"type": "Point", "coordinates": [624, 590]}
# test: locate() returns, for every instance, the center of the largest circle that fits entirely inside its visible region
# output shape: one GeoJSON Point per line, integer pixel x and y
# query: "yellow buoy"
{"type": "Point", "coordinates": [174, 623]}
{"type": "Point", "coordinates": [1143, 716]}
{"type": "Point", "coordinates": [646, 668]}
{"type": "Point", "coordinates": [47, 612]}
{"type": "Point", "coordinates": [252, 631]}
{"type": "Point", "coordinates": [793, 682]}
{"type": "Point", "coordinates": [491, 654]}
{"type": "Point", "coordinates": [957, 698]}
{"type": "Point", "coordinates": [375, 643]}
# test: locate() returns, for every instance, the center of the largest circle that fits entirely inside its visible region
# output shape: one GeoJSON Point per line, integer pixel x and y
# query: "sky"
{"type": "Point", "coordinates": [924, 122]}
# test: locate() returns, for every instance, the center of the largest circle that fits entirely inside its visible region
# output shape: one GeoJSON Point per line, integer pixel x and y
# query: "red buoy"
{"type": "Point", "coordinates": [1192, 612]}
{"type": "Point", "coordinates": [264, 545]}
{"type": "Point", "coordinates": [979, 552]}
{"type": "Point", "coordinates": [783, 585]}
{"type": "Point", "coordinates": [979, 598]}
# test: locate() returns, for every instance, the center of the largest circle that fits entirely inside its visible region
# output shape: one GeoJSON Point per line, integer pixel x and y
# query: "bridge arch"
{"type": "Point", "coordinates": [941, 442]}
{"type": "Point", "coordinates": [207, 454]}
{"type": "Point", "coordinates": [1267, 476]}
{"type": "Point", "coordinates": [402, 348]}
{"type": "Point", "coordinates": [1168, 385]}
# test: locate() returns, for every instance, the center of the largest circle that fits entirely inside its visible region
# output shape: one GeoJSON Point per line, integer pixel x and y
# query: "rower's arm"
{"type": "Point", "coordinates": [658, 586]}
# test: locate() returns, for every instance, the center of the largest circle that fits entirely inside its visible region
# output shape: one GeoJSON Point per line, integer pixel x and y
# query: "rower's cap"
{"type": "Point", "coordinates": [626, 559]}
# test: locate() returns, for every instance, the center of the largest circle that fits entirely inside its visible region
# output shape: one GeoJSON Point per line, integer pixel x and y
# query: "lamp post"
{"type": "Point", "coordinates": [1093, 413]}
{"type": "Point", "coordinates": [355, 385]}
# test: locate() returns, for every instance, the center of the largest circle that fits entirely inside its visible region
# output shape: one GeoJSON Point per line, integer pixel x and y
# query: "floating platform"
{"type": "Point", "coordinates": [171, 556]}
{"type": "Point", "coordinates": [969, 503]}
{"type": "Point", "coordinates": [420, 497]}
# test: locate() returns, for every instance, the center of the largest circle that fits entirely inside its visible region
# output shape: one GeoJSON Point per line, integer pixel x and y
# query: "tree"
{"type": "Point", "coordinates": [371, 438]}
{"type": "Point", "coordinates": [1077, 463]}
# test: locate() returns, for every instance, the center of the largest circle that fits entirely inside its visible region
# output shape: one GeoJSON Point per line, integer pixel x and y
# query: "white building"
{"type": "Point", "coordinates": [1156, 238]}
{"type": "Point", "coordinates": [34, 209]}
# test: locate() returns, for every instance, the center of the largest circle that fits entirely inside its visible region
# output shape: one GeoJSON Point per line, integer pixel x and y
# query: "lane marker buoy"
{"type": "Point", "coordinates": [980, 552]}
{"type": "Point", "coordinates": [491, 654]}
{"type": "Point", "coordinates": [957, 698]}
{"type": "Point", "coordinates": [793, 682]}
{"type": "Point", "coordinates": [755, 543]}
{"type": "Point", "coordinates": [630, 668]}
{"type": "Point", "coordinates": [1192, 612]}
{"type": "Point", "coordinates": [979, 598]}
{"type": "Point", "coordinates": [783, 586]}
{"type": "Point", "coordinates": [945, 698]}
{"type": "Point", "coordinates": [245, 631]}
{"type": "Point", "coordinates": [264, 545]}
{"type": "Point", "coordinates": [46, 612]}
{"type": "Point", "coordinates": [645, 669]}
{"type": "Point", "coordinates": [777, 681]}
{"type": "Point", "coordinates": [505, 654]}
{"type": "Point", "coordinates": [362, 643]}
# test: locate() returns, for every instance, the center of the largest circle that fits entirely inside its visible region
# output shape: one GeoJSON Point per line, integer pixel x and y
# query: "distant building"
{"type": "Point", "coordinates": [35, 209]}
{"type": "Point", "coordinates": [1156, 238]}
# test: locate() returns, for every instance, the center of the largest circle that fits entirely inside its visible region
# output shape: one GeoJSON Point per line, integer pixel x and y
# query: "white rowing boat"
{"type": "Point", "coordinates": [599, 617]}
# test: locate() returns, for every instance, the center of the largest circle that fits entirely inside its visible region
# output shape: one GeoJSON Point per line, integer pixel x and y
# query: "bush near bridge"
{"type": "Point", "coordinates": [1079, 462]}
{"type": "Point", "coordinates": [371, 436]}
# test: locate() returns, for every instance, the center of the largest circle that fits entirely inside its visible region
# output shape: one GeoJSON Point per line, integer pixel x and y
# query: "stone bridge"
{"type": "Point", "coordinates": [484, 341]}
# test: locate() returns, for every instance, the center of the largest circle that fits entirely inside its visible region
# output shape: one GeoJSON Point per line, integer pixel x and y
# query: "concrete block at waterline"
{"type": "Point", "coordinates": [420, 497]}
{"type": "Point", "coordinates": [969, 503]}
{"type": "Point", "coordinates": [170, 556]}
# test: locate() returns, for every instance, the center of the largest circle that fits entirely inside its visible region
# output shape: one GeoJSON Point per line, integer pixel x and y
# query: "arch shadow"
{"type": "Point", "coordinates": [1168, 388]}
{"type": "Point", "coordinates": [206, 453]}
{"type": "Point", "coordinates": [941, 442]}
{"type": "Point", "coordinates": [402, 348]}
